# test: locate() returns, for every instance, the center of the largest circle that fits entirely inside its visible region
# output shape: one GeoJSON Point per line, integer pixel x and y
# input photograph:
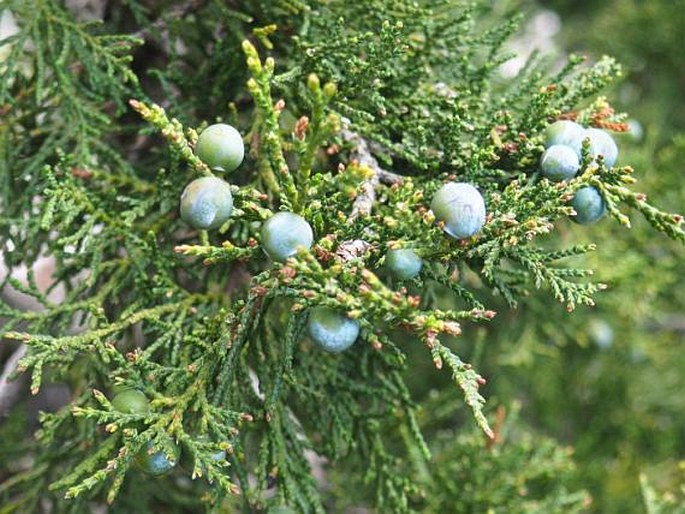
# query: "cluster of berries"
{"type": "Point", "coordinates": [207, 203]}
{"type": "Point", "coordinates": [562, 160]}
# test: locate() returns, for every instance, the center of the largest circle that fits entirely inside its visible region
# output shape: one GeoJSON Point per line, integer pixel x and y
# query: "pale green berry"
{"type": "Point", "coordinates": [284, 233]}
{"type": "Point", "coordinates": [156, 463]}
{"type": "Point", "coordinates": [559, 163]}
{"type": "Point", "coordinates": [461, 207]}
{"type": "Point", "coordinates": [403, 263]}
{"type": "Point", "coordinates": [220, 147]}
{"type": "Point", "coordinates": [601, 143]}
{"type": "Point", "coordinates": [566, 133]}
{"type": "Point", "coordinates": [131, 401]}
{"type": "Point", "coordinates": [588, 204]}
{"type": "Point", "coordinates": [332, 330]}
{"type": "Point", "coordinates": [206, 203]}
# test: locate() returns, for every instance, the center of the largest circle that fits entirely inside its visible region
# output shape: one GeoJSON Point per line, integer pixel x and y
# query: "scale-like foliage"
{"type": "Point", "coordinates": [203, 323]}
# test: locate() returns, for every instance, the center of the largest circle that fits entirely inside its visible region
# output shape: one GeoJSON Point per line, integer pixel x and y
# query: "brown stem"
{"type": "Point", "coordinates": [362, 154]}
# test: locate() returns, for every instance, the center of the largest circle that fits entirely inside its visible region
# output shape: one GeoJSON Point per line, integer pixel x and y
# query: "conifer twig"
{"type": "Point", "coordinates": [355, 249]}
{"type": "Point", "coordinates": [362, 154]}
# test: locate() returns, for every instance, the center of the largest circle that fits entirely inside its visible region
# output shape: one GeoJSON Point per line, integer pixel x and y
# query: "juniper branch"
{"type": "Point", "coordinates": [361, 155]}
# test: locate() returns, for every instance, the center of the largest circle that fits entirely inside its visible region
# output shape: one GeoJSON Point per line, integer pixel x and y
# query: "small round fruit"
{"type": "Point", "coordinates": [567, 133]}
{"type": "Point", "coordinates": [588, 204]}
{"type": "Point", "coordinates": [404, 264]}
{"type": "Point", "coordinates": [285, 232]}
{"type": "Point", "coordinates": [186, 461]}
{"type": "Point", "coordinates": [332, 330]}
{"type": "Point", "coordinates": [220, 147]}
{"type": "Point", "coordinates": [206, 203]}
{"type": "Point", "coordinates": [603, 144]}
{"type": "Point", "coordinates": [217, 455]}
{"type": "Point", "coordinates": [461, 207]}
{"type": "Point", "coordinates": [155, 463]}
{"type": "Point", "coordinates": [131, 401]}
{"type": "Point", "coordinates": [559, 163]}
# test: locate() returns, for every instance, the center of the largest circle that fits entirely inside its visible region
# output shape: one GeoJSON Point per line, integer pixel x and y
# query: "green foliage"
{"type": "Point", "coordinates": [205, 325]}
{"type": "Point", "coordinates": [522, 472]}
{"type": "Point", "coordinates": [661, 503]}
